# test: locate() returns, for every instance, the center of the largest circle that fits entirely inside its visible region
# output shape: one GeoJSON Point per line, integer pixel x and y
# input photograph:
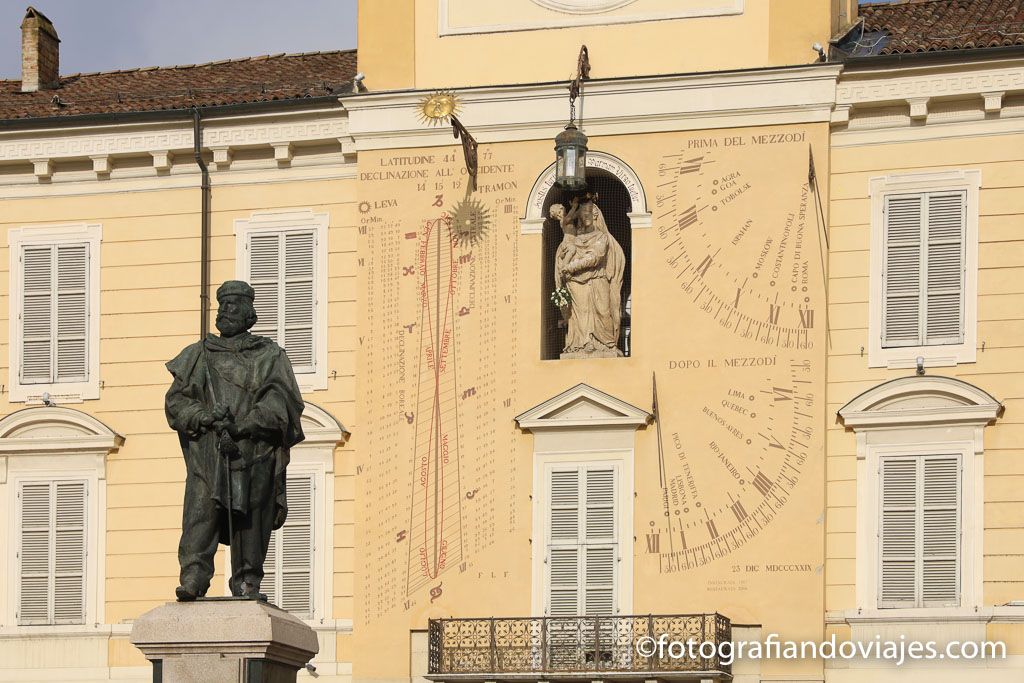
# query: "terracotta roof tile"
{"type": "Point", "coordinates": [935, 25]}
{"type": "Point", "coordinates": [236, 81]}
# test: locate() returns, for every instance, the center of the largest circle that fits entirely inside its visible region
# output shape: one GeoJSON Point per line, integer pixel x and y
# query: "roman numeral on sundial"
{"type": "Point", "coordinates": [773, 314]}
{"type": "Point", "coordinates": [688, 217]}
{"type": "Point", "coordinates": [807, 318]}
{"type": "Point", "coordinates": [691, 165]}
{"type": "Point", "coordinates": [702, 269]}
{"type": "Point", "coordinates": [654, 543]}
{"type": "Point", "coordinates": [762, 483]}
{"type": "Point", "coordinates": [782, 394]}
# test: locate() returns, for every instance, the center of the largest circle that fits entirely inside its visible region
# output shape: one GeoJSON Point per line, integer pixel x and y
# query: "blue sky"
{"type": "Point", "coordinates": [100, 35]}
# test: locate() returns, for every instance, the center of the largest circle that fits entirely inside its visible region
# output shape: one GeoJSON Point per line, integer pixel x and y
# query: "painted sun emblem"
{"type": "Point", "coordinates": [437, 109]}
{"type": "Point", "coordinates": [470, 221]}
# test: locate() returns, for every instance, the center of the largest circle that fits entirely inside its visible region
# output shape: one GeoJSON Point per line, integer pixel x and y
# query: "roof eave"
{"type": "Point", "coordinates": [1000, 52]}
{"type": "Point", "coordinates": [167, 114]}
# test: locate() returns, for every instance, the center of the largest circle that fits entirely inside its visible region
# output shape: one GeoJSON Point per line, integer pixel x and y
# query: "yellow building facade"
{"type": "Point", "coordinates": [797, 237]}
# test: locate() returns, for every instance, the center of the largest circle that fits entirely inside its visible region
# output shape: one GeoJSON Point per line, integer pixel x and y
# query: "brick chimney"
{"type": "Point", "coordinates": [40, 52]}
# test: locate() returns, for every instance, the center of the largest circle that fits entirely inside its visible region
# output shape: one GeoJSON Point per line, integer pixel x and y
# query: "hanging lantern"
{"type": "Point", "coordinates": [571, 159]}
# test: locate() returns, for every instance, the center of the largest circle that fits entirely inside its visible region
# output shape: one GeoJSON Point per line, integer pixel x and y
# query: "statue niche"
{"type": "Point", "coordinates": [589, 269]}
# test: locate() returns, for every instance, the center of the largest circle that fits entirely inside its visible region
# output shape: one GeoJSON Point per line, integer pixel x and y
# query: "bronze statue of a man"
{"type": "Point", "coordinates": [236, 407]}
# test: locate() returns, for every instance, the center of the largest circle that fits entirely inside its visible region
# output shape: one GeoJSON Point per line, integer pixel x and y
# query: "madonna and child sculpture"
{"type": "Point", "coordinates": [236, 407]}
{"type": "Point", "coordinates": [589, 263]}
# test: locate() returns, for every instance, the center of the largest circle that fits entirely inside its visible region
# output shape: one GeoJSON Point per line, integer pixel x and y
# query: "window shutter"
{"type": "Point", "coordinates": [70, 553]}
{"type": "Point", "coordinates": [898, 532]}
{"type": "Point", "coordinates": [55, 313]}
{"type": "Point", "coordinates": [52, 553]}
{"type": "Point", "coordinates": [299, 299]}
{"type": "Point", "coordinates": [264, 277]}
{"type": "Point", "coordinates": [946, 258]}
{"type": "Point", "coordinates": [600, 542]}
{"type": "Point", "coordinates": [72, 312]}
{"type": "Point", "coordinates": [901, 271]}
{"type": "Point", "coordinates": [941, 531]}
{"type": "Point", "coordinates": [282, 271]}
{"type": "Point", "coordinates": [564, 552]}
{"type": "Point", "coordinates": [920, 531]}
{"type": "Point", "coordinates": [288, 567]}
{"type": "Point", "coordinates": [582, 555]}
{"type": "Point", "coordinates": [34, 554]}
{"type": "Point", "coordinates": [37, 315]}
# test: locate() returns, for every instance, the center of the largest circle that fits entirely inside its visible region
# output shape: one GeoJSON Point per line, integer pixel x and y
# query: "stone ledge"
{"type": "Point", "coordinates": [218, 631]}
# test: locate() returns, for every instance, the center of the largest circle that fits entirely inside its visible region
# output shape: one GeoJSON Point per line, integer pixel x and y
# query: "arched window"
{"type": "Point", "coordinates": [613, 198]}
{"type": "Point", "coordinates": [53, 493]}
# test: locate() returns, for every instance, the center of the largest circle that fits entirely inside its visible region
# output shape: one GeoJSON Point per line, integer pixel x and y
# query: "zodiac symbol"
{"type": "Point", "coordinates": [470, 495]}
{"type": "Point", "coordinates": [464, 310]}
{"type": "Point", "coordinates": [409, 417]}
{"type": "Point", "coordinates": [400, 536]}
{"type": "Point", "coordinates": [410, 235]}
{"type": "Point", "coordinates": [408, 328]}
{"type": "Point", "coordinates": [408, 270]}
{"type": "Point", "coordinates": [439, 201]}
{"type": "Point", "coordinates": [435, 592]}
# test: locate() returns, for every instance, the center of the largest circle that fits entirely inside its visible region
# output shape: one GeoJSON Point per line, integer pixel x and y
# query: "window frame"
{"type": "Point", "coordinates": [918, 458]}
{"type": "Point", "coordinates": [934, 355]}
{"type": "Point", "coordinates": [919, 416]}
{"type": "Point", "coordinates": [90, 234]}
{"type": "Point", "coordinates": [76, 448]}
{"type": "Point", "coordinates": [50, 468]}
{"type": "Point", "coordinates": [621, 460]}
{"type": "Point", "coordinates": [582, 544]}
{"type": "Point", "coordinates": [294, 221]}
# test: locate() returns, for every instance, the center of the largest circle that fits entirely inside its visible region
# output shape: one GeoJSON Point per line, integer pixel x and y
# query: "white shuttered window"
{"type": "Point", "coordinates": [919, 531]}
{"type": "Point", "coordinates": [583, 547]}
{"type": "Point", "coordinates": [282, 271]}
{"type": "Point", "coordinates": [923, 278]}
{"type": "Point", "coordinates": [54, 313]}
{"type": "Point", "coordinates": [51, 552]}
{"type": "Point", "coordinates": [288, 567]}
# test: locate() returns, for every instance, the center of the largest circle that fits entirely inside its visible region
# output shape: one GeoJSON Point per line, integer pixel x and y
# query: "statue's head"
{"type": "Point", "coordinates": [588, 215]}
{"type": "Point", "coordinates": [557, 211]}
{"type": "Point", "coordinates": [235, 312]}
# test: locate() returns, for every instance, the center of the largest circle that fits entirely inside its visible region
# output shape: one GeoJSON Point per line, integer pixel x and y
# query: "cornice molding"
{"type": "Point", "coordinates": [649, 104]}
{"type": "Point", "coordinates": [903, 84]}
{"type": "Point", "coordinates": [158, 139]}
{"type": "Point", "coordinates": [898, 83]}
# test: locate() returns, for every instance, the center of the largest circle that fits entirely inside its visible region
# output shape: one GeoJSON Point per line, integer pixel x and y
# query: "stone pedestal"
{"type": "Point", "coordinates": [223, 640]}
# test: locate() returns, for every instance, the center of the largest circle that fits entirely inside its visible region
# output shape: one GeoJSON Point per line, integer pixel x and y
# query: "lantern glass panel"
{"type": "Point", "coordinates": [570, 163]}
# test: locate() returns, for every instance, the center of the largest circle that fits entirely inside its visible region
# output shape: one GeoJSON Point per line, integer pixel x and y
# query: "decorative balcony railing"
{"type": "Point", "coordinates": [489, 647]}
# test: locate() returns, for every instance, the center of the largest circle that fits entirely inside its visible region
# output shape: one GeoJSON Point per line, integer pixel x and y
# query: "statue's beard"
{"type": "Point", "coordinates": [230, 326]}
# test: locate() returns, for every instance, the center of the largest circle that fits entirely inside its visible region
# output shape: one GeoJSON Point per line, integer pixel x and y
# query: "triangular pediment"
{"type": "Point", "coordinates": [582, 405]}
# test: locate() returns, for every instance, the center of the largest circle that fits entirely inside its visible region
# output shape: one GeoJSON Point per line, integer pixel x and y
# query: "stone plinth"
{"type": "Point", "coordinates": [223, 640]}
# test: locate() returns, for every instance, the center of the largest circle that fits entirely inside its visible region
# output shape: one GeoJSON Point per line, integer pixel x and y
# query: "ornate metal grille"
{"type": "Point", "coordinates": [570, 644]}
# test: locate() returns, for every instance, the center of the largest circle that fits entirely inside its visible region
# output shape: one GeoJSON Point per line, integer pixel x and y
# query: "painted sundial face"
{"type": "Point", "coordinates": [737, 229]}
{"type": "Point", "coordinates": [737, 247]}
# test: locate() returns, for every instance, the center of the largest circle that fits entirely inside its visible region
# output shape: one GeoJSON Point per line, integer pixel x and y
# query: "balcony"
{"type": "Point", "coordinates": [568, 648]}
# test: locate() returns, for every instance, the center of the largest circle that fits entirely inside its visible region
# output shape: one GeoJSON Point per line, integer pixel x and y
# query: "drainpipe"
{"type": "Point", "coordinates": [204, 256]}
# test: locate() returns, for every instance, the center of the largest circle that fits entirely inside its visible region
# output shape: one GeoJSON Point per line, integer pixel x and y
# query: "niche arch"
{"type": "Point", "coordinates": [536, 209]}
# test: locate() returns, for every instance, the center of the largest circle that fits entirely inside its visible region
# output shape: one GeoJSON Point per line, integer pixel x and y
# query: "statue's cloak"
{"type": "Point", "coordinates": [253, 377]}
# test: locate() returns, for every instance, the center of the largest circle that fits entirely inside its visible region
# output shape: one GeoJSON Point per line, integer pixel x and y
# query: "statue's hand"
{"type": "Point", "coordinates": [206, 419]}
{"type": "Point", "coordinates": [221, 412]}
{"type": "Point", "coordinates": [234, 431]}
